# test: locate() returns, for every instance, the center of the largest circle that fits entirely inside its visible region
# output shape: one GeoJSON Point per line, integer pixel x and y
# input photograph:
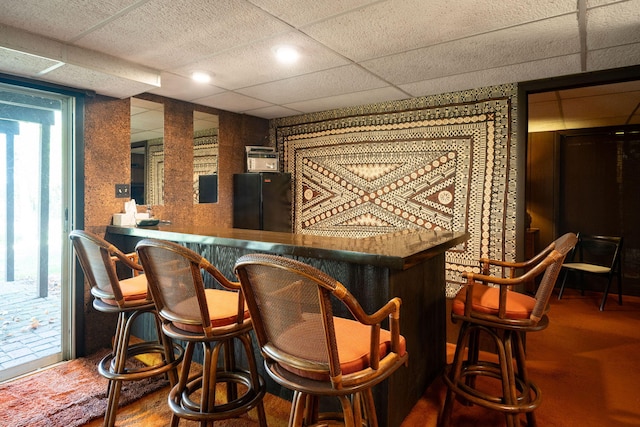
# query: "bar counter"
{"type": "Point", "coordinates": [408, 264]}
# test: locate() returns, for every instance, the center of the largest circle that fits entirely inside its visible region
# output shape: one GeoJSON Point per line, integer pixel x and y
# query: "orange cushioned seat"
{"type": "Point", "coordinates": [222, 306]}
{"type": "Point", "coordinates": [353, 340]}
{"type": "Point", "coordinates": [486, 299]}
{"type": "Point", "coordinates": [133, 289]}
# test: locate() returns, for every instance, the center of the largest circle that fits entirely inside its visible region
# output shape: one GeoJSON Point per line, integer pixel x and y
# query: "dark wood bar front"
{"type": "Point", "coordinates": [408, 264]}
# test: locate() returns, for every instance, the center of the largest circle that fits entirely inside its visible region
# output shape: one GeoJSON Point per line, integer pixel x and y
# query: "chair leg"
{"type": "Point", "coordinates": [369, 408]}
{"type": "Point", "coordinates": [255, 378]}
{"type": "Point", "coordinates": [605, 295]}
{"type": "Point", "coordinates": [564, 279]}
{"type": "Point", "coordinates": [509, 390]}
{"type": "Point", "coordinates": [347, 411]}
{"type": "Point", "coordinates": [117, 365]}
{"type": "Point", "coordinates": [453, 375]}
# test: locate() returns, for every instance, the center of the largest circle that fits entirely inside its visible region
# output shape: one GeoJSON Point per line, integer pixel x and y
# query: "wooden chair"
{"type": "Point", "coordinates": [512, 269]}
{"type": "Point", "coordinates": [128, 298]}
{"type": "Point", "coordinates": [311, 351]}
{"type": "Point", "coordinates": [505, 316]}
{"type": "Point", "coordinates": [215, 318]}
{"type": "Point", "coordinates": [597, 256]}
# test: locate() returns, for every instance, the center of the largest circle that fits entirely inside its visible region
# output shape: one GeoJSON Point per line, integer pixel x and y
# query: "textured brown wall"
{"type": "Point", "coordinates": [107, 163]}
{"type": "Point", "coordinates": [107, 160]}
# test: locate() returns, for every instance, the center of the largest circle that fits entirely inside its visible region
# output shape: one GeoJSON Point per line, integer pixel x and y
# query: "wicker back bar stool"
{"type": "Point", "coordinates": [487, 307]}
{"type": "Point", "coordinates": [214, 319]}
{"type": "Point", "coordinates": [313, 352]}
{"type": "Point", "coordinates": [128, 299]}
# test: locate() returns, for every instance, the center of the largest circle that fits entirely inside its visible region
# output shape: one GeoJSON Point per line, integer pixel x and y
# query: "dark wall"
{"type": "Point", "coordinates": [587, 181]}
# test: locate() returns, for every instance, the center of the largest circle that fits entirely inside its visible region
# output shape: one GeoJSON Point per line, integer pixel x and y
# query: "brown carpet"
{"type": "Point", "coordinates": [586, 364]}
{"type": "Point", "coordinates": [66, 395]}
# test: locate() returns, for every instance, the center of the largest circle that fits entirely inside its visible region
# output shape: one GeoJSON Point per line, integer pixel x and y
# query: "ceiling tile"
{"type": "Point", "coordinates": [385, 28]}
{"type": "Point", "coordinates": [542, 97]}
{"type": "Point", "coordinates": [273, 112]}
{"type": "Point", "coordinates": [348, 100]}
{"type": "Point", "coordinates": [332, 82]}
{"type": "Point", "coordinates": [256, 63]}
{"type": "Point", "coordinates": [232, 101]}
{"type": "Point", "coordinates": [168, 33]}
{"type": "Point", "coordinates": [547, 110]}
{"type": "Point", "coordinates": [614, 25]}
{"type": "Point", "coordinates": [184, 88]}
{"type": "Point", "coordinates": [599, 90]}
{"type": "Point", "coordinates": [614, 57]}
{"type": "Point", "coordinates": [546, 39]}
{"type": "Point", "coordinates": [59, 19]}
{"type": "Point", "coordinates": [598, 107]}
{"type": "Point", "coordinates": [527, 71]}
{"type": "Point", "coordinates": [302, 12]}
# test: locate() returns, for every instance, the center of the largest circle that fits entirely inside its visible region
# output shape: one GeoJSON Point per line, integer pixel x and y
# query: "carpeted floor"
{"type": "Point", "coordinates": [68, 394]}
{"type": "Point", "coordinates": [585, 362]}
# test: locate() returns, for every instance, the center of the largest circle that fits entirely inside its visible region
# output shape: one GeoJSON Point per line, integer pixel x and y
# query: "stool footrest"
{"type": "Point", "coordinates": [528, 399]}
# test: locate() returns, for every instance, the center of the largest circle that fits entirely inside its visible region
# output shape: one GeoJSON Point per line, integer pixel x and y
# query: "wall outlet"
{"type": "Point", "coordinates": [123, 191]}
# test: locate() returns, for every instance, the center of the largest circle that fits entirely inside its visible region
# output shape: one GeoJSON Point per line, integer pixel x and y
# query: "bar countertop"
{"type": "Point", "coordinates": [398, 250]}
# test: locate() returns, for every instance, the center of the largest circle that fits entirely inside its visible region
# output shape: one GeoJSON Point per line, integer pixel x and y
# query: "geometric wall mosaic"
{"type": "Point", "coordinates": [433, 163]}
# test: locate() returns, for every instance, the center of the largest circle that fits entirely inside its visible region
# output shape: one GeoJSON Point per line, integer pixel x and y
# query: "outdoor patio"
{"type": "Point", "coordinates": [29, 326]}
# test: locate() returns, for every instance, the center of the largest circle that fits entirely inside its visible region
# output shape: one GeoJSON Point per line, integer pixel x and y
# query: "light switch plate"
{"type": "Point", "coordinates": [122, 191]}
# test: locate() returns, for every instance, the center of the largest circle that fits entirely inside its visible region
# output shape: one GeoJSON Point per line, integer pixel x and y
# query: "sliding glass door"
{"type": "Point", "coordinates": [35, 175]}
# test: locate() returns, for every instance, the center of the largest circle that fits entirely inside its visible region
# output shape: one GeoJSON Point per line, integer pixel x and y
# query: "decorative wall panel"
{"type": "Point", "coordinates": [444, 162]}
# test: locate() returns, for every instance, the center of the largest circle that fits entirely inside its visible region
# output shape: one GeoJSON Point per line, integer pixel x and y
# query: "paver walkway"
{"type": "Point", "coordinates": [30, 327]}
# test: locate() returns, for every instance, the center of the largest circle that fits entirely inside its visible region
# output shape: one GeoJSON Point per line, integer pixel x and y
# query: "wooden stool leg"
{"type": "Point", "coordinates": [454, 374]}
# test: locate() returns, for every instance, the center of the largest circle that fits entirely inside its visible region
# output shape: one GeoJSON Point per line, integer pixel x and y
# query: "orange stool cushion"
{"type": "Point", "coordinates": [486, 300]}
{"type": "Point", "coordinates": [133, 289]}
{"type": "Point", "coordinates": [223, 309]}
{"type": "Point", "coordinates": [352, 338]}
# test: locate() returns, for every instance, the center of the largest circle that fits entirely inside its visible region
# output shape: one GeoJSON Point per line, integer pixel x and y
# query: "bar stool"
{"type": "Point", "coordinates": [215, 319]}
{"type": "Point", "coordinates": [505, 316]}
{"type": "Point", "coordinates": [314, 352]}
{"type": "Point", "coordinates": [128, 299]}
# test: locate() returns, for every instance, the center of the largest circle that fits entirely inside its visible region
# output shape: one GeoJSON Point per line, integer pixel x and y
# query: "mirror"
{"type": "Point", "coordinates": [205, 157]}
{"type": "Point", "coordinates": [147, 152]}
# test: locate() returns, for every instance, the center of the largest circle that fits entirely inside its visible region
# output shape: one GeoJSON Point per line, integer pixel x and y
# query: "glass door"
{"type": "Point", "coordinates": [35, 291]}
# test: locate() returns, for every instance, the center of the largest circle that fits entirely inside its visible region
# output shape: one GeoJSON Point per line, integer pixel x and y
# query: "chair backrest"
{"type": "Point", "coordinates": [293, 316]}
{"type": "Point", "coordinates": [561, 247]}
{"type": "Point", "coordinates": [176, 282]}
{"type": "Point", "coordinates": [97, 259]}
{"type": "Point", "coordinates": [604, 251]}
{"type": "Point", "coordinates": [549, 268]}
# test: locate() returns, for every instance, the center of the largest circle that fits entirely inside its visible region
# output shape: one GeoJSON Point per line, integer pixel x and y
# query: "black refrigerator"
{"type": "Point", "coordinates": [262, 201]}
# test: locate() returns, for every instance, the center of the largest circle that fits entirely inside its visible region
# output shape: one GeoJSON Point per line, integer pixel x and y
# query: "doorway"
{"type": "Point", "coordinates": [582, 158]}
{"type": "Point", "coordinates": [36, 135]}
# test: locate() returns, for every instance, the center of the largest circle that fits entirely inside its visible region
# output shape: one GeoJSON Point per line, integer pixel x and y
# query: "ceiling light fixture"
{"type": "Point", "coordinates": [200, 77]}
{"type": "Point", "coordinates": [287, 54]}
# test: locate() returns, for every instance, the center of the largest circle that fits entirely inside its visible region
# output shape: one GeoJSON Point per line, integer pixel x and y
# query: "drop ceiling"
{"type": "Point", "coordinates": [352, 52]}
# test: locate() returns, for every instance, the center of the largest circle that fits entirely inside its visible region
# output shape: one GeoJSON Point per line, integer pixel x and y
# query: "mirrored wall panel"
{"type": "Point", "coordinates": [147, 152]}
{"type": "Point", "coordinates": [205, 157]}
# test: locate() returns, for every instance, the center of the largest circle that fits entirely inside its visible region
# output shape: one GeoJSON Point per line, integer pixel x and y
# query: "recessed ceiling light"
{"type": "Point", "coordinates": [200, 77]}
{"type": "Point", "coordinates": [287, 54]}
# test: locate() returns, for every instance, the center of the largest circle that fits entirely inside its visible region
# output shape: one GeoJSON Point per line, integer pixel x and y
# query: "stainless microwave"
{"type": "Point", "coordinates": [262, 159]}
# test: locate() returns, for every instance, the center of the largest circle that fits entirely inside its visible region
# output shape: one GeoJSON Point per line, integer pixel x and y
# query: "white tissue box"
{"type": "Point", "coordinates": [124, 219]}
